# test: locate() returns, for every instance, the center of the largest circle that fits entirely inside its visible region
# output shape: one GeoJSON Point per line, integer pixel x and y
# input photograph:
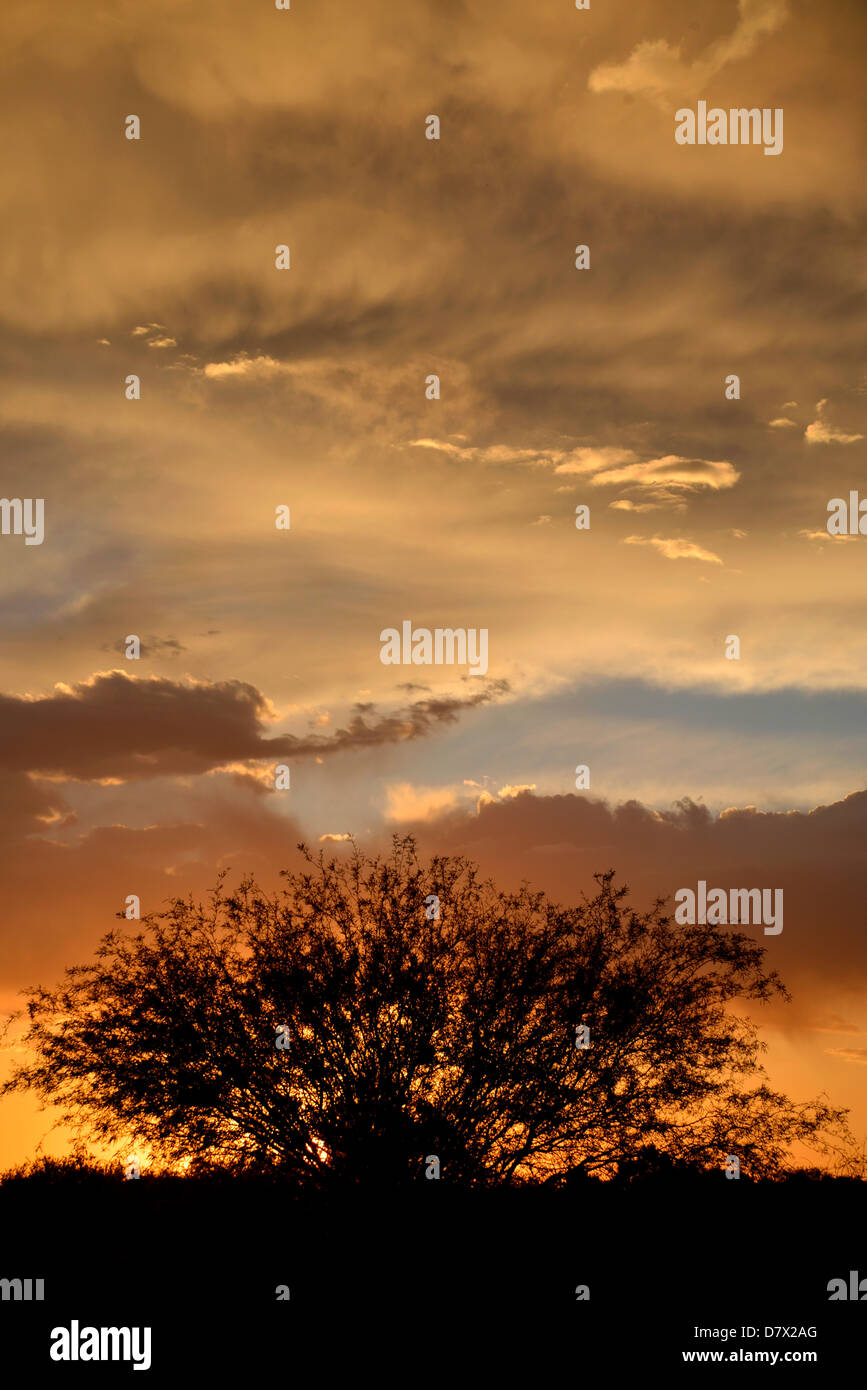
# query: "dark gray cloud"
{"type": "Point", "coordinates": [816, 857]}
{"type": "Point", "coordinates": [115, 725]}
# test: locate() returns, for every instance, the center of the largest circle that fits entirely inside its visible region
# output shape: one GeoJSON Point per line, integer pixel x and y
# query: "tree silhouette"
{"type": "Point", "coordinates": [410, 1034]}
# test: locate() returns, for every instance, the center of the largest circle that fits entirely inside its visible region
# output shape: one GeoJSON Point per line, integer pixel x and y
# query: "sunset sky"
{"type": "Point", "coordinates": [306, 388]}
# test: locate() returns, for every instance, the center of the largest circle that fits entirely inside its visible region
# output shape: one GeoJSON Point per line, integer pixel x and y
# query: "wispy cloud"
{"type": "Point", "coordinates": [820, 432]}
{"type": "Point", "coordinates": [490, 453]}
{"type": "Point", "coordinates": [623, 504]}
{"type": "Point", "coordinates": [671, 472]}
{"type": "Point", "coordinates": [675, 549]}
{"type": "Point", "coordinates": [249, 368]}
{"type": "Point", "coordinates": [657, 69]}
{"type": "Point", "coordinates": [604, 465]}
{"type": "Point", "coordinates": [824, 536]}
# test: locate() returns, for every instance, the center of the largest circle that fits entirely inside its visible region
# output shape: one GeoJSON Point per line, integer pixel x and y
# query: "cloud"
{"type": "Point", "coordinates": [336, 839]}
{"type": "Point", "coordinates": [675, 549]}
{"type": "Point", "coordinates": [584, 460]}
{"type": "Point", "coordinates": [657, 69]}
{"type": "Point", "coordinates": [417, 720]}
{"type": "Point", "coordinates": [653, 67]}
{"type": "Point", "coordinates": [669, 473]}
{"type": "Point", "coordinates": [816, 857]}
{"type": "Point", "coordinates": [186, 835]}
{"type": "Point", "coordinates": [162, 342]}
{"type": "Point", "coordinates": [604, 466]}
{"type": "Point", "coordinates": [820, 432]}
{"type": "Point", "coordinates": [588, 461]}
{"type": "Point", "coordinates": [114, 725]}
{"type": "Point", "coordinates": [492, 453]}
{"type": "Point", "coordinates": [250, 368]}
{"type": "Point", "coordinates": [405, 802]}
{"type": "Point", "coordinates": [507, 792]}
{"type": "Point", "coordinates": [851, 1054]}
{"type": "Point", "coordinates": [824, 536]}
{"type": "Point", "coordinates": [781, 423]}
{"type": "Point", "coordinates": [623, 504]}
{"type": "Point", "coordinates": [28, 807]}
{"type": "Point", "coordinates": [832, 1023]}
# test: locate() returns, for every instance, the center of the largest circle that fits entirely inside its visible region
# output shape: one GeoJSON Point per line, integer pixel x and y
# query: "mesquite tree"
{"type": "Point", "coordinates": [423, 1012]}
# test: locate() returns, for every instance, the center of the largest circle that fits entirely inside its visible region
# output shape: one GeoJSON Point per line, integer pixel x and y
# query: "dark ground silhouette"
{"type": "Point", "coordinates": [431, 1277]}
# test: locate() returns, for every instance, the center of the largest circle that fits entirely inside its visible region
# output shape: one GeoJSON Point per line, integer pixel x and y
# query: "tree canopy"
{"type": "Point", "coordinates": [424, 1012]}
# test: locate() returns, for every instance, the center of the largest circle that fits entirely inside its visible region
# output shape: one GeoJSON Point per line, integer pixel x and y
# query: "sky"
{"type": "Point", "coordinates": [264, 388]}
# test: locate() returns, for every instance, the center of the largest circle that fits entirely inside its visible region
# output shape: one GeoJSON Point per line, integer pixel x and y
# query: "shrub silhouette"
{"type": "Point", "coordinates": [410, 1037]}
